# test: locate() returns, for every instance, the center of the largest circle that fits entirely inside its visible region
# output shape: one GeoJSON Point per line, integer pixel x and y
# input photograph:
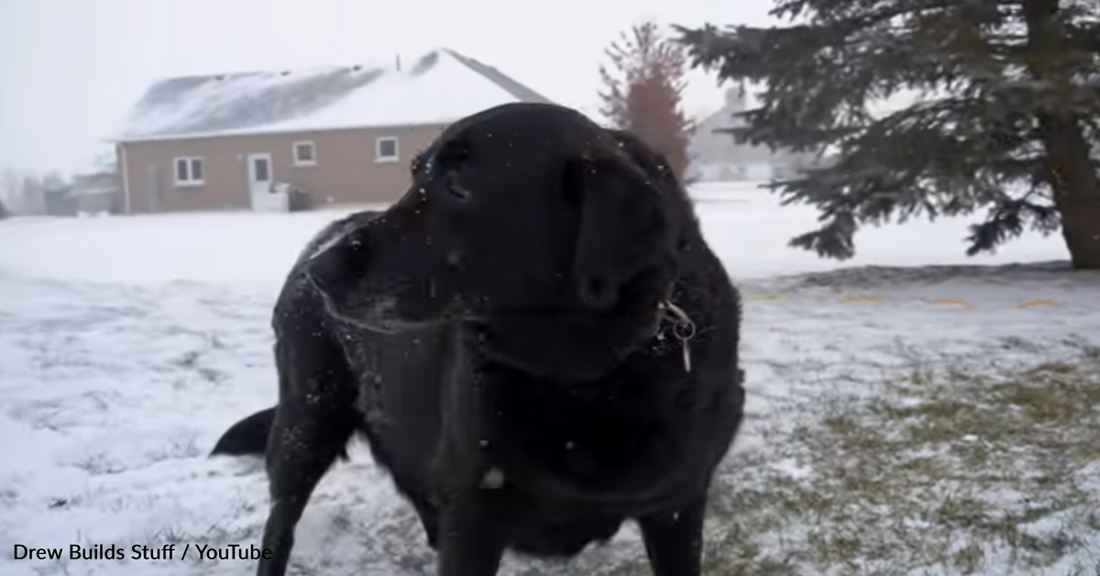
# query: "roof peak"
{"type": "Point", "coordinates": [317, 69]}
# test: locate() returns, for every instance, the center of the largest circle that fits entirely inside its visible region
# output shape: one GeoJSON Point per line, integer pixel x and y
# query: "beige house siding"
{"type": "Point", "coordinates": [345, 171]}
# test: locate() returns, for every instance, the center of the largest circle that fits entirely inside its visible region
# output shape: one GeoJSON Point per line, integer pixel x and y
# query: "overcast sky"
{"type": "Point", "coordinates": [70, 69]}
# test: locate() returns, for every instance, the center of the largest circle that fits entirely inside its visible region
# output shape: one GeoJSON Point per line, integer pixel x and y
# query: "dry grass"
{"type": "Point", "coordinates": [945, 472]}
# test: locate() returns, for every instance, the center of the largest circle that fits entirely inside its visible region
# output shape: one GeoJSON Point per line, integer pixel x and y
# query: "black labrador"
{"type": "Point", "coordinates": [536, 342]}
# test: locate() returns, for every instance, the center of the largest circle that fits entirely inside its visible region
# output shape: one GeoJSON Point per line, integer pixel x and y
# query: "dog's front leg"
{"type": "Point", "coordinates": [674, 539]}
{"type": "Point", "coordinates": [471, 536]}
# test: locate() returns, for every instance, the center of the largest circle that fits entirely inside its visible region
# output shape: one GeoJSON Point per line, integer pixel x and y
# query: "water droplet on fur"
{"type": "Point", "coordinates": [493, 478]}
{"type": "Point", "coordinates": [454, 258]}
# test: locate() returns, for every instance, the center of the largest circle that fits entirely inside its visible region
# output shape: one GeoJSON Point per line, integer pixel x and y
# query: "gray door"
{"type": "Point", "coordinates": [154, 188]}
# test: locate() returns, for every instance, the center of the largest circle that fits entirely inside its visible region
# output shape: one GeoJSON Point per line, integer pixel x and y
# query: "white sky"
{"type": "Point", "coordinates": [70, 69]}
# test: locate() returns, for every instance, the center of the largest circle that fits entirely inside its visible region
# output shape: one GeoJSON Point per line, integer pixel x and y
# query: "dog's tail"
{"type": "Point", "coordinates": [249, 436]}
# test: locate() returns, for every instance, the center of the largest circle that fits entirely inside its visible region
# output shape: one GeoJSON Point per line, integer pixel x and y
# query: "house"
{"type": "Point", "coordinates": [717, 157]}
{"type": "Point", "coordinates": [97, 193]}
{"type": "Point", "coordinates": [98, 190]}
{"type": "Point", "coordinates": [45, 195]}
{"type": "Point", "coordinates": [58, 199]}
{"type": "Point", "coordinates": [337, 135]}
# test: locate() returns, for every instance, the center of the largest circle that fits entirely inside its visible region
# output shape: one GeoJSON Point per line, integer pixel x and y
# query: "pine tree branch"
{"type": "Point", "coordinates": [970, 141]}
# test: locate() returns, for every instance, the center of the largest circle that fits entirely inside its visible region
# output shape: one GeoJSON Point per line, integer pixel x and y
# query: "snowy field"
{"type": "Point", "coordinates": [129, 344]}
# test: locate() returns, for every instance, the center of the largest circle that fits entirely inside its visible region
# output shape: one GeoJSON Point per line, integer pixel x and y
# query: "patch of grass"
{"type": "Point", "coordinates": [223, 531]}
{"type": "Point", "coordinates": [99, 463]}
{"type": "Point", "coordinates": [178, 448]}
{"type": "Point", "coordinates": [946, 471]}
{"type": "Point", "coordinates": [188, 360]}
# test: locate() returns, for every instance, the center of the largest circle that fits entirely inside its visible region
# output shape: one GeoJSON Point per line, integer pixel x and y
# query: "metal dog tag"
{"type": "Point", "coordinates": [682, 328]}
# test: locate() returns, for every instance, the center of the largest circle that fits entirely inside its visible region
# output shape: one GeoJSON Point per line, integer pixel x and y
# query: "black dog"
{"type": "Point", "coordinates": [535, 340]}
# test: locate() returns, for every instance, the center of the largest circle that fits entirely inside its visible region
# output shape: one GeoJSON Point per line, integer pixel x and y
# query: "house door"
{"type": "Point", "coordinates": [154, 188]}
{"type": "Point", "coordinates": [259, 184]}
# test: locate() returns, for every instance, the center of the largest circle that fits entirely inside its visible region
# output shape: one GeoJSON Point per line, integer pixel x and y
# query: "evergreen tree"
{"type": "Point", "coordinates": [644, 86]}
{"type": "Point", "coordinates": [1007, 118]}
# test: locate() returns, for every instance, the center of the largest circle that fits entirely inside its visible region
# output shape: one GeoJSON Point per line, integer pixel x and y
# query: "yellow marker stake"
{"type": "Point", "coordinates": [857, 299]}
{"type": "Point", "coordinates": [956, 301]}
{"type": "Point", "coordinates": [766, 297]}
{"type": "Point", "coordinates": [1036, 302]}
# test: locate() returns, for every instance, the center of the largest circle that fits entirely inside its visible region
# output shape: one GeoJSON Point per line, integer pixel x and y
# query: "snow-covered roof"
{"type": "Point", "coordinates": [440, 87]}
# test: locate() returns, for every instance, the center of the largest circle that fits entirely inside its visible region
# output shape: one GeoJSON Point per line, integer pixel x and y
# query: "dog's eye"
{"type": "Point", "coordinates": [455, 189]}
{"type": "Point", "coordinates": [458, 191]}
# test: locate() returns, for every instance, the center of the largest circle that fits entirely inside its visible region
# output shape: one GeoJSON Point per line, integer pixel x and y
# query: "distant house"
{"type": "Point", "coordinates": [58, 199]}
{"type": "Point", "coordinates": [717, 157]}
{"type": "Point", "coordinates": [47, 195]}
{"type": "Point", "coordinates": [99, 189]}
{"type": "Point", "coordinates": [339, 135]}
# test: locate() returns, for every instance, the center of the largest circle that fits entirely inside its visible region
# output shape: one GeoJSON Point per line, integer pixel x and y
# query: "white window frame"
{"type": "Point", "coordinates": [190, 160]}
{"type": "Point", "coordinates": [313, 153]}
{"type": "Point", "coordinates": [378, 157]}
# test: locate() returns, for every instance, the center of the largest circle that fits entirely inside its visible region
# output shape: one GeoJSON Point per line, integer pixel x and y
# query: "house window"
{"type": "Point", "coordinates": [385, 149]}
{"type": "Point", "coordinates": [189, 171]}
{"type": "Point", "coordinates": [305, 154]}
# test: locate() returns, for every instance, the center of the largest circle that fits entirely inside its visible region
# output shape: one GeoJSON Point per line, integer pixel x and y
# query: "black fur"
{"type": "Point", "coordinates": [249, 436]}
{"type": "Point", "coordinates": [497, 337]}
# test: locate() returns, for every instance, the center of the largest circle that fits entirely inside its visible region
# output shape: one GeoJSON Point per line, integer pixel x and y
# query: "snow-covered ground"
{"type": "Point", "coordinates": [129, 344]}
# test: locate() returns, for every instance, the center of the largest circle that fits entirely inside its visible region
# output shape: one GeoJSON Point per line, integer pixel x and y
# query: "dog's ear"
{"type": "Point", "coordinates": [623, 226]}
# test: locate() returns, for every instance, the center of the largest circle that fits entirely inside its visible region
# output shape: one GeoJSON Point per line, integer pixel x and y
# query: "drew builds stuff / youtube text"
{"type": "Point", "coordinates": [140, 552]}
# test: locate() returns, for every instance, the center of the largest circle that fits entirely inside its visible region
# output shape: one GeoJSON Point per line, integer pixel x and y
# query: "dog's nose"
{"type": "Point", "coordinates": [598, 292]}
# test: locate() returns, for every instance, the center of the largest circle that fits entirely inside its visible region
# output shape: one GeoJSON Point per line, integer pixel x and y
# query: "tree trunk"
{"type": "Point", "coordinates": [1076, 189]}
{"type": "Point", "coordinates": [1073, 180]}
